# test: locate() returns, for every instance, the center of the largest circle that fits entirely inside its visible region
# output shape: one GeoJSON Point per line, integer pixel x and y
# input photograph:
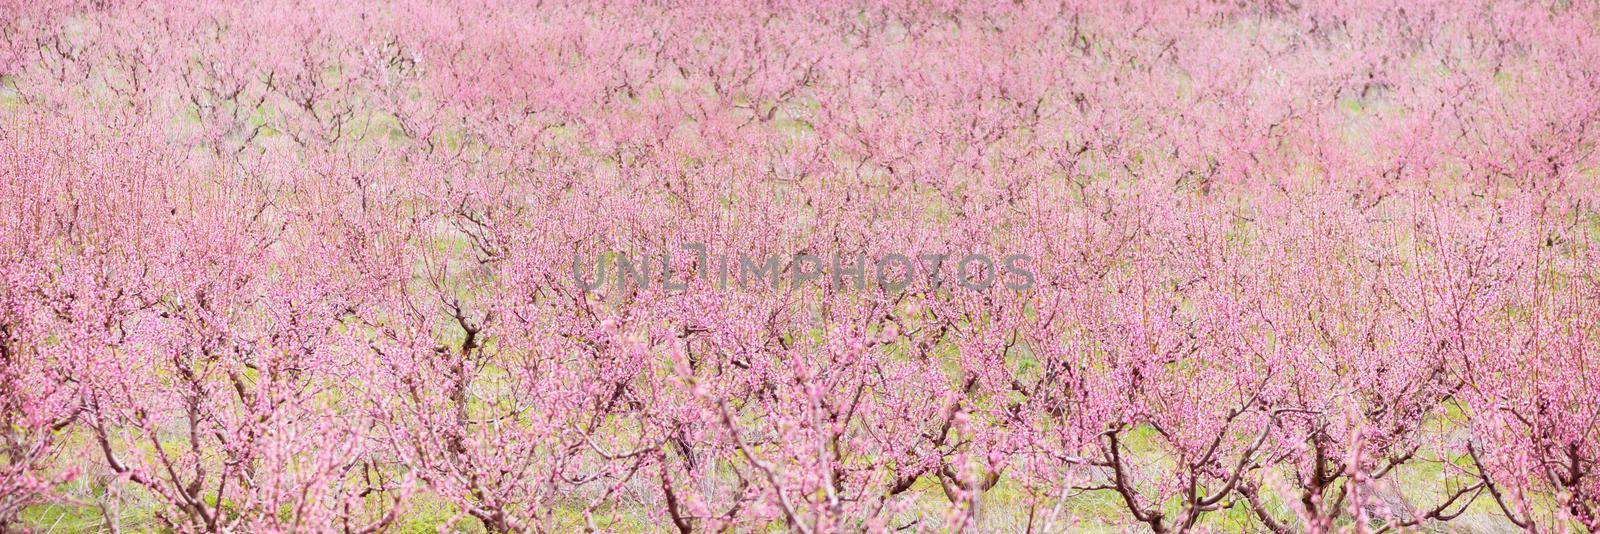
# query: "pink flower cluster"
{"type": "Point", "coordinates": [306, 265]}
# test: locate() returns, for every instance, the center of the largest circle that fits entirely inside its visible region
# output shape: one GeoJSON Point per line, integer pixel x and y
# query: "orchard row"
{"type": "Point", "coordinates": [308, 265]}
